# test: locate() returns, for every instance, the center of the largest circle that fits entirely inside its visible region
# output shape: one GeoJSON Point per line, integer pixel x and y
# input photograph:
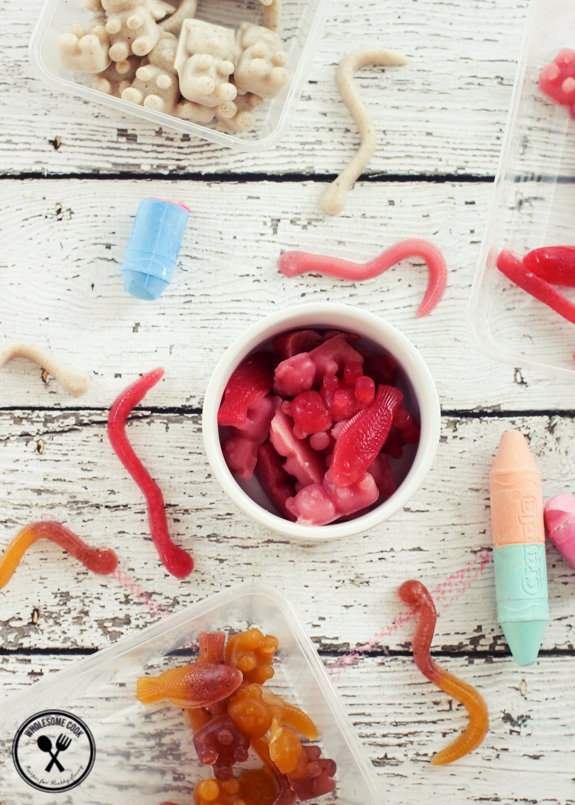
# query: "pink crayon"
{"type": "Point", "coordinates": [559, 514]}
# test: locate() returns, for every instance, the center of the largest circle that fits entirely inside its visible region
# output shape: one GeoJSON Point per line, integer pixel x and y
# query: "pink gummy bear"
{"type": "Point", "coordinates": [557, 80]}
{"type": "Point", "coordinates": [241, 447]}
{"type": "Point", "coordinates": [320, 504]}
{"type": "Point", "coordinates": [294, 375]}
{"type": "Point", "coordinates": [220, 744]}
{"type": "Point", "coordinates": [331, 357]}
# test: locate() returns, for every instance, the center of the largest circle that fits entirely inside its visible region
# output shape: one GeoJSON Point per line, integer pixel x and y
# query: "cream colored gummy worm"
{"type": "Point", "coordinates": [71, 380]}
{"type": "Point", "coordinates": [334, 196]}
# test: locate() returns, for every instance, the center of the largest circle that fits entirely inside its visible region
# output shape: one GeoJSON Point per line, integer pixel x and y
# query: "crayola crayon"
{"type": "Point", "coordinates": [519, 547]}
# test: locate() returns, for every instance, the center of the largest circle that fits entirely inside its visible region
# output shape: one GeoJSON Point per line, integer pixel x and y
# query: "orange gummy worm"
{"type": "Point", "coordinates": [103, 561]}
{"type": "Point", "coordinates": [416, 595]}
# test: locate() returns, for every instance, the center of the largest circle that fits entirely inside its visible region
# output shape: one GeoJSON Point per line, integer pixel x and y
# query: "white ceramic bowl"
{"type": "Point", "coordinates": [414, 379]}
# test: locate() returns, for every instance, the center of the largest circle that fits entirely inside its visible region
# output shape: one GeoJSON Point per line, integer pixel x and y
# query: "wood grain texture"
{"type": "Point", "coordinates": [444, 113]}
{"type": "Point", "coordinates": [401, 720]}
{"type": "Point", "coordinates": [62, 282]}
{"type": "Point", "coordinates": [345, 590]}
{"type": "Point", "coordinates": [440, 120]}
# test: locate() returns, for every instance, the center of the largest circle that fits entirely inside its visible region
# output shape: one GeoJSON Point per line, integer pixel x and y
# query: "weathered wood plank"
{"type": "Point", "coordinates": [64, 242]}
{"type": "Point", "coordinates": [345, 590]}
{"type": "Point", "coordinates": [402, 720]}
{"type": "Point", "coordinates": [462, 57]}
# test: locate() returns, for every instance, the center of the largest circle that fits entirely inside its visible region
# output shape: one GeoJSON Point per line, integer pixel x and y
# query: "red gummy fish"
{"type": "Point", "coordinates": [363, 437]}
{"type": "Point", "coordinates": [251, 381]}
{"type": "Point", "coordinates": [195, 685]}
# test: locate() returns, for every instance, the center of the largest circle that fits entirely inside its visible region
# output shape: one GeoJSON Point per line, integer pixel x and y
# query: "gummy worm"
{"type": "Point", "coordinates": [334, 196]}
{"type": "Point", "coordinates": [71, 380]}
{"type": "Point", "coordinates": [103, 561]}
{"type": "Point", "coordinates": [294, 263]}
{"type": "Point", "coordinates": [177, 561]}
{"type": "Point", "coordinates": [512, 267]}
{"type": "Point", "coordinates": [415, 595]}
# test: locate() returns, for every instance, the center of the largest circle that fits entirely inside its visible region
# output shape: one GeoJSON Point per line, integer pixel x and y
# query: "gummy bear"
{"type": "Point", "coordinates": [286, 345]}
{"type": "Point", "coordinates": [249, 712]}
{"type": "Point", "coordinates": [260, 68]}
{"type": "Point", "coordinates": [239, 116]}
{"type": "Point", "coordinates": [85, 50]}
{"type": "Point", "coordinates": [252, 653]}
{"type": "Point", "coordinates": [313, 776]}
{"type": "Point", "coordinates": [131, 27]}
{"type": "Point", "coordinates": [285, 747]}
{"type": "Point", "coordinates": [220, 744]}
{"type": "Point", "coordinates": [252, 787]}
{"type": "Point", "coordinates": [156, 84]}
{"type": "Point", "coordinates": [204, 61]}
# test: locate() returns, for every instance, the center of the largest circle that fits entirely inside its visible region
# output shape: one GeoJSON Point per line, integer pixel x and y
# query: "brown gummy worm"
{"type": "Point", "coordinates": [416, 596]}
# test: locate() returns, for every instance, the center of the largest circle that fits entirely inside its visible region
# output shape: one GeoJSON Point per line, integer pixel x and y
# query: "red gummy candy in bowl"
{"type": "Point", "coordinates": [339, 434]}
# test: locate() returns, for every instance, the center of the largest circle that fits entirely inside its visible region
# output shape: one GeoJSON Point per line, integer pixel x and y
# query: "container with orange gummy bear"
{"type": "Point", "coordinates": [145, 753]}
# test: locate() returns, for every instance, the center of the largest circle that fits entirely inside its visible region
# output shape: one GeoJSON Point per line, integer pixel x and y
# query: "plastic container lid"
{"type": "Point", "coordinates": [533, 206]}
{"type": "Point", "coordinates": [300, 30]}
{"type": "Point", "coordinates": [145, 754]}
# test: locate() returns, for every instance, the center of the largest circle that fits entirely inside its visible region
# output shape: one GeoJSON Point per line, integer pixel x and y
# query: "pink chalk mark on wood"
{"type": "Point", "coordinates": [447, 593]}
{"type": "Point", "coordinates": [292, 264]}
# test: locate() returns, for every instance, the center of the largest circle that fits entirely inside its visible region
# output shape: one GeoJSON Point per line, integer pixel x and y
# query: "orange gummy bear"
{"type": "Point", "coordinates": [253, 787]}
{"type": "Point", "coordinates": [253, 707]}
{"type": "Point", "coordinates": [252, 653]}
{"type": "Point", "coordinates": [285, 747]}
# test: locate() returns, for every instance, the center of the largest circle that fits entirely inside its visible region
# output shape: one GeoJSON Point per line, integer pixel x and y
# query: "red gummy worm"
{"type": "Point", "coordinates": [176, 561]}
{"type": "Point", "coordinates": [510, 265]}
{"type": "Point", "coordinates": [294, 263]}
{"type": "Point", "coordinates": [555, 264]}
{"type": "Point", "coordinates": [415, 595]}
{"type": "Point", "coordinates": [102, 561]}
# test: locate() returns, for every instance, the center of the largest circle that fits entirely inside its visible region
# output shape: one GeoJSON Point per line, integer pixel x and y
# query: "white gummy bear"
{"type": "Point", "coordinates": [131, 27]}
{"type": "Point", "coordinates": [204, 61]}
{"type": "Point", "coordinates": [260, 68]}
{"type": "Point", "coordinates": [117, 77]}
{"type": "Point", "coordinates": [195, 112]}
{"type": "Point", "coordinates": [243, 117]}
{"type": "Point", "coordinates": [84, 50]}
{"type": "Point", "coordinates": [156, 84]}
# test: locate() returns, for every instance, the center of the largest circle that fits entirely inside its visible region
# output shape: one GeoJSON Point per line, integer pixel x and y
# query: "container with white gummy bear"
{"type": "Point", "coordinates": [240, 66]}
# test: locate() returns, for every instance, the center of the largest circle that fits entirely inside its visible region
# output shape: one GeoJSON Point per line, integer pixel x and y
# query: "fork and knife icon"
{"type": "Point", "coordinates": [45, 745]}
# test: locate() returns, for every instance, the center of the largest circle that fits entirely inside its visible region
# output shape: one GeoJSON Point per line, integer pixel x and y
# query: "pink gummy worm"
{"type": "Point", "coordinates": [177, 561]}
{"type": "Point", "coordinates": [294, 263]}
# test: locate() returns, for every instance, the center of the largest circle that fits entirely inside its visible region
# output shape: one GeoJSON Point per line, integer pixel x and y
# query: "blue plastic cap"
{"type": "Point", "coordinates": [143, 286]}
{"type": "Point", "coordinates": [154, 247]}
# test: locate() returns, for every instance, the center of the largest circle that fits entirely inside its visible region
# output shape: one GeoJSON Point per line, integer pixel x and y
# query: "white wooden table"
{"type": "Point", "coordinates": [71, 178]}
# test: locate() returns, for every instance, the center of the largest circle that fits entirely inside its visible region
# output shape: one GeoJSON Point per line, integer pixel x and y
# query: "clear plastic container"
{"type": "Point", "coordinates": [145, 755]}
{"type": "Point", "coordinates": [533, 206]}
{"type": "Point", "coordinates": [300, 31]}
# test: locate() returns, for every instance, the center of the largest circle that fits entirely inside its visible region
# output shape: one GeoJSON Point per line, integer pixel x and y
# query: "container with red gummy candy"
{"type": "Point", "coordinates": [321, 421]}
{"type": "Point", "coordinates": [523, 300]}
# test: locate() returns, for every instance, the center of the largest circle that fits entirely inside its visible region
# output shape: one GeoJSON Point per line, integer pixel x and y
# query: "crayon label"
{"type": "Point", "coordinates": [532, 581]}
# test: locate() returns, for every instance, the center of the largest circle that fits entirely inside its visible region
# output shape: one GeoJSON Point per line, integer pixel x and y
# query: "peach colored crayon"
{"type": "Point", "coordinates": [519, 547]}
{"type": "Point", "coordinates": [516, 498]}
